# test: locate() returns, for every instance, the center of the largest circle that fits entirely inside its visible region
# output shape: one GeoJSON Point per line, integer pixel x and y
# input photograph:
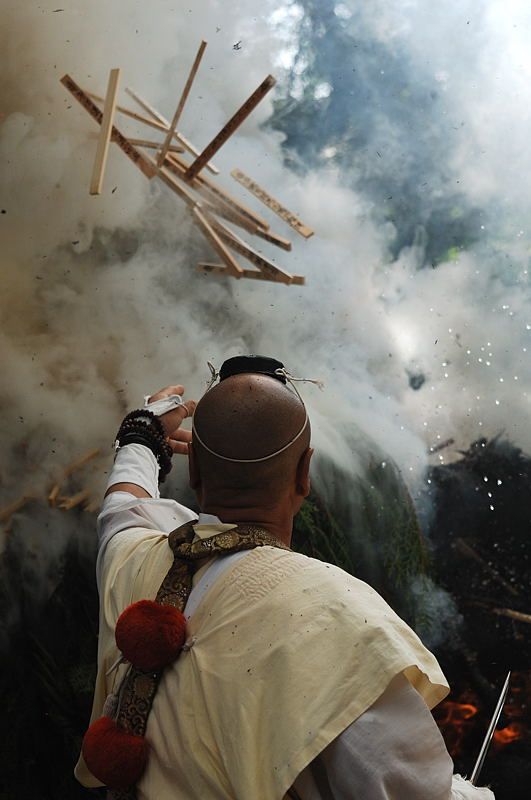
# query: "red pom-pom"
{"type": "Point", "coordinates": [150, 635]}
{"type": "Point", "coordinates": [114, 757]}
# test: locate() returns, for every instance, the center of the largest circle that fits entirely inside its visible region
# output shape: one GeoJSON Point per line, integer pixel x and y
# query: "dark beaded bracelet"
{"type": "Point", "coordinates": [144, 427]}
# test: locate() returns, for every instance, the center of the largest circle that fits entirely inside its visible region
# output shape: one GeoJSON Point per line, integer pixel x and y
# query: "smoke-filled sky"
{"type": "Point", "coordinates": [398, 130]}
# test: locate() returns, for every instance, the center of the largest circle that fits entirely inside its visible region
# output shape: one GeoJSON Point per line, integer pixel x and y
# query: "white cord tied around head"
{"type": "Point", "coordinates": [281, 372]}
{"type": "Point", "coordinates": [251, 460]}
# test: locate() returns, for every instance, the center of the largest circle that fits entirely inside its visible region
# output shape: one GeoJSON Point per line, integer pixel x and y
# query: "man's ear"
{"type": "Point", "coordinates": [193, 469]}
{"type": "Point", "coordinates": [302, 485]}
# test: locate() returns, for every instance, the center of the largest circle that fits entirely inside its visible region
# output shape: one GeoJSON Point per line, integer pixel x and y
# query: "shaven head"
{"type": "Point", "coordinates": [248, 416]}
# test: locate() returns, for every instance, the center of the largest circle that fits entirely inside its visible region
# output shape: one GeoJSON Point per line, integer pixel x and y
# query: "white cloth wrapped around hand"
{"type": "Point", "coordinates": [463, 790]}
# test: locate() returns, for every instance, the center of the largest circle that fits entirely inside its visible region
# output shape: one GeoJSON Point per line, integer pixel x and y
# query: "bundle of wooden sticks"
{"type": "Point", "coordinates": [182, 167]}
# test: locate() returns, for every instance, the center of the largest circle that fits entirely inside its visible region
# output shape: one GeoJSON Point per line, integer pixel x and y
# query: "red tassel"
{"type": "Point", "coordinates": [150, 635]}
{"type": "Point", "coordinates": [114, 757]}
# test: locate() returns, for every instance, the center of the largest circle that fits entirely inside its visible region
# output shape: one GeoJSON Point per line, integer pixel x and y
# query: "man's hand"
{"type": "Point", "coordinates": [177, 438]}
{"type": "Point", "coordinates": [172, 420]}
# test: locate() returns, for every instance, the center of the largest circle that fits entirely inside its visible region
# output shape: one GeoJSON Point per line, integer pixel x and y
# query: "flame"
{"type": "Point", "coordinates": [513, 731]}
{"type": "Point", "coordinates": [454, 719]}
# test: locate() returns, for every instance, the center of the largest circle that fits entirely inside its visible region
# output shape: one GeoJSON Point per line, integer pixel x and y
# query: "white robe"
{"type": "Point", "coordinates": [392, 751]}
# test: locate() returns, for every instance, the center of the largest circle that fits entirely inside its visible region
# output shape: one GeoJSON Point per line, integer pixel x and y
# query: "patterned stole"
{"type": "Point", "coordinates": [138, 688]}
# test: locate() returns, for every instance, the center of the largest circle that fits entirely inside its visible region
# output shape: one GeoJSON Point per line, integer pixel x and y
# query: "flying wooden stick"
{"type": "Point", "coordinates": [192, 149]}
{"type": "Point", "coordinates": [173, 148]}
{"type": "Point", "coordinates": [180, 105]}
{"type": "Point", "coordinates": [208, 188]}
{"type": "Point", "coordinates": [232, 265]}
{"type": "Point", "coordinates": [228, 129]}
{"type": "Point", "coordinates": [253, 274]}
{"type": "Point", "coordinates": [241, 247]}
{"type": "Point", "coordinates": [123, 143]}
{"type": "Point", "coordinates": [271, 203]}
{"type": "Point", "coordinates": [104, 139]}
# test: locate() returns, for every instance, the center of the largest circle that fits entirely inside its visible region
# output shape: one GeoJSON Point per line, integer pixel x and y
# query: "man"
{"type": "Point", "coordinates": [296, 679]}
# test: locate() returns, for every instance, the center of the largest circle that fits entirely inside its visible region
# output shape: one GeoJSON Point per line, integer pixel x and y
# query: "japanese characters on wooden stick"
{"type": "Point", "coordinates": [180, 165]}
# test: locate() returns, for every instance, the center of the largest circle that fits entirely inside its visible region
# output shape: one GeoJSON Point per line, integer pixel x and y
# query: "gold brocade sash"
{"type": "Point", "coordinates": [139, 688]}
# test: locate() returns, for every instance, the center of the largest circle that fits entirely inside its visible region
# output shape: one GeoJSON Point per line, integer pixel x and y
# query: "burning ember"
{"type": "Point", "coordinates": [516, 730]}
{"type": "Point", "coordinates": [464, 721]}
{"type": "Point", "coordinates": [455, 721]}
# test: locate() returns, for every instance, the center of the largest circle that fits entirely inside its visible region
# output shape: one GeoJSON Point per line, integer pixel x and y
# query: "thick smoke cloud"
{"type": "Point", "coordinates": [399, 133]}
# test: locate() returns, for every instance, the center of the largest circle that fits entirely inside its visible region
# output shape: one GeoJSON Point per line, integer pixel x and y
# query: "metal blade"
{"type": "Point", "coordinates": [490, 732]}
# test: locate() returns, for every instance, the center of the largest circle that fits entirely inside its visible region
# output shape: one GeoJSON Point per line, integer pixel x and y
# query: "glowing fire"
{"type": "Point", "coordinates": [455, 719]}
{"type": "Point", "coordinates": [513, 731]}
{"type": "Point", "coordinates": [458, 719]}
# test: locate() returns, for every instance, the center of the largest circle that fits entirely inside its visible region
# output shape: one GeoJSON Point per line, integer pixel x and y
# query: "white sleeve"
{"type": "Point", "coordinates": [393, 751]}
{"type": "Point", "coordinates": [136, 464]}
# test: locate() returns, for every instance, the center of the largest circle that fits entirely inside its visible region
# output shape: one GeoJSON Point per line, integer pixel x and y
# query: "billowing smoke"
{"type": "Point", "coordinates": [397, 131]}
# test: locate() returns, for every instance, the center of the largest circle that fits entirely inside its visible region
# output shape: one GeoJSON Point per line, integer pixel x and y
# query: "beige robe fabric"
{"type": "Point", "coordinates": [288, 652]}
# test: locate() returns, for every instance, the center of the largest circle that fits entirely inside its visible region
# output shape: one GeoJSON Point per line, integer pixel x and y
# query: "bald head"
{"type": "Point", "coordinates": [247, 417]}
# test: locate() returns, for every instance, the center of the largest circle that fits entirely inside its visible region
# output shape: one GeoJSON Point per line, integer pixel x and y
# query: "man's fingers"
{"type": "Point", "coordinates": [166, 392]}
{"type": "Point", "coordinates": [179, 448]}
{"type": "Point", "coordinates": [180, 435]}
{"type": "Point", "coordinates": [174, 419]}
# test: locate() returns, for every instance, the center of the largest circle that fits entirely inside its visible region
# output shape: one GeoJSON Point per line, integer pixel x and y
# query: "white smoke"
{"type": "Point", "coordinates": [100, 299]}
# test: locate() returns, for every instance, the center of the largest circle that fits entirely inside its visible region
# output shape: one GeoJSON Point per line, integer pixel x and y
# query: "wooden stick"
{"type": "Point", "coordinates": [228, 129]}
{"type": "Point", "coordinates": [68, 503]}
{"type": "Point", "coordinates": [232, 265]}
{"type": "Point", "coordinates": [279, 241]}
{"type": "Point", "coordinates": [81, 461]}
{"type": "Point", "coordinates": [159, 118]}
{"type": "Point", "coordinates": [465, 549]}
{"type": "Point", "coordinates": [123, 143]}
{"type": "Point", "coordinates": [132, 114]}
{"type": "Point", "coordinates": [271, 203]}
{"type": "Point", "coordinates": [7, 511]}
{"type": "Point", "coordinates": [241, 247]}
{"type": "Point", "coordinates": [54, 494]}
{"type": "Point", "coordinates": [181, 189]}
{"type": "Point", "coordinates": [173, 148]}
{"type": "Point", "coordinates": [181, 103]}
{"type": "Point", "coordinates": [509, 612]}
{"type": "Point", "coordinates": [254, 274]}
{"type": "Point", "coordinates": [210, 188]}
{"type": "Point", "coordinates": [104, 140]}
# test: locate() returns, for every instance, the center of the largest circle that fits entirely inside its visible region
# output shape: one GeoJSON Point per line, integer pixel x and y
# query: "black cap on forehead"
{"type": "Point", "coordinates": [262, 365]}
